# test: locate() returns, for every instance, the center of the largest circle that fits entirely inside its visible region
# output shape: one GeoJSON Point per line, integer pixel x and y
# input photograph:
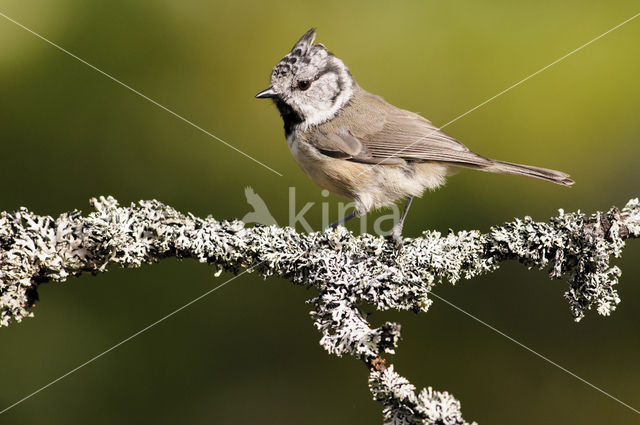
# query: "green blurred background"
{"type": "Point", "coordinates": [249, 353]}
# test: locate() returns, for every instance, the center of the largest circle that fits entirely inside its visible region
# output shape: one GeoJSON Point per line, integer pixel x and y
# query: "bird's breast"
{"type": "Point", "coordinates": [338, 176]}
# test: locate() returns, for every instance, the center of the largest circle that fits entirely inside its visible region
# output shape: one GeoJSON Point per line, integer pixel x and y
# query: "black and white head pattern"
{"type": "Point", "coordinates": [312, 82]}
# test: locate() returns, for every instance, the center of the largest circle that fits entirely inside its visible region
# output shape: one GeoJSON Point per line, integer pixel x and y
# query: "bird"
{"type": "Point", "coordinates": [360, 147]}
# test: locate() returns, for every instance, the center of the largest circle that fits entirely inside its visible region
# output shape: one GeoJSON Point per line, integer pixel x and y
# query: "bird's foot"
{"type": "Point", "coordinates": [396, 236]}
{"type": "Point", "coordinates": [329, 228]}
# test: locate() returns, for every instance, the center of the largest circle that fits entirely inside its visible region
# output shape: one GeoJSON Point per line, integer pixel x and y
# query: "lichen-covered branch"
{"type": "Point", "coordinates": [403, 406]}
{"type": "Point", "coordinates": [346, 270]}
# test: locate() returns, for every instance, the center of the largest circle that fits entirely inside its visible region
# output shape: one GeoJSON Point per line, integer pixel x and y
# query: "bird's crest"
{"type": "Point", "coordinates": [303, 53]}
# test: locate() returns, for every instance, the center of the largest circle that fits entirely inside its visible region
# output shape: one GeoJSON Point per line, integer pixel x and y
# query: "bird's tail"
{"type": "Point", "coordinates": [552, 176]}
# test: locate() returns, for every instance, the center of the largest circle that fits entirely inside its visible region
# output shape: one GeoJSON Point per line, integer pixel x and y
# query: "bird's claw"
{"type": "Point", "coordinates": [396, 236]}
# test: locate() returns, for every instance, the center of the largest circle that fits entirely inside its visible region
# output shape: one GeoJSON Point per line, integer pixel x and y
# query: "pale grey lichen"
{"type": "Point", "coordinates": [346, 270]}
{"type": "Point", "coordinates": [401, 405]}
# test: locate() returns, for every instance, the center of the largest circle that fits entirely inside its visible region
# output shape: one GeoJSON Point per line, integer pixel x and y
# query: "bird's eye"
{"type": "Point", "coordinates": [304, 84]}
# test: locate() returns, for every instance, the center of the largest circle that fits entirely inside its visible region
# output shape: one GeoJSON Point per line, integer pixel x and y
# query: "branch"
{"type": "Point", "coordinates": [346, 270]}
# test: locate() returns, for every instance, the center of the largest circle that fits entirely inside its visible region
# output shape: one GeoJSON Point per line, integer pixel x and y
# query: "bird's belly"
{"type": "Point", "coordinates": [369, 185]}
{"type": "Point", "coordinates": [392, 183]}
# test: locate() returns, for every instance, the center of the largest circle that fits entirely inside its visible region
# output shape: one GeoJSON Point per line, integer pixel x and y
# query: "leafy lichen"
{"type": "Point", "coordinates": [346, 270]}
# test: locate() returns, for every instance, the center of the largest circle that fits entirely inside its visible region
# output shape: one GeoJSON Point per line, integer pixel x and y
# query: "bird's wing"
{"type": "Point", "coordinates": [340, 143]}
{"type": "Point", "coordinates": [413, 138]}
{"type": "Point", "coordinates": [377, 132]}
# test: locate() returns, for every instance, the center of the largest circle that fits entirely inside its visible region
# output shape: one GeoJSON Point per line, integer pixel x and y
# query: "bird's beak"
{"type": "Point", "coordinates": [266, 94]}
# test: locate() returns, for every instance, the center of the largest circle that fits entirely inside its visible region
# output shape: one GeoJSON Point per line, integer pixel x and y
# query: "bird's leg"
{"type": "Point", "coordinates": [396, 232]}
{"type": "Point", "coordinates": [343, 220]}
